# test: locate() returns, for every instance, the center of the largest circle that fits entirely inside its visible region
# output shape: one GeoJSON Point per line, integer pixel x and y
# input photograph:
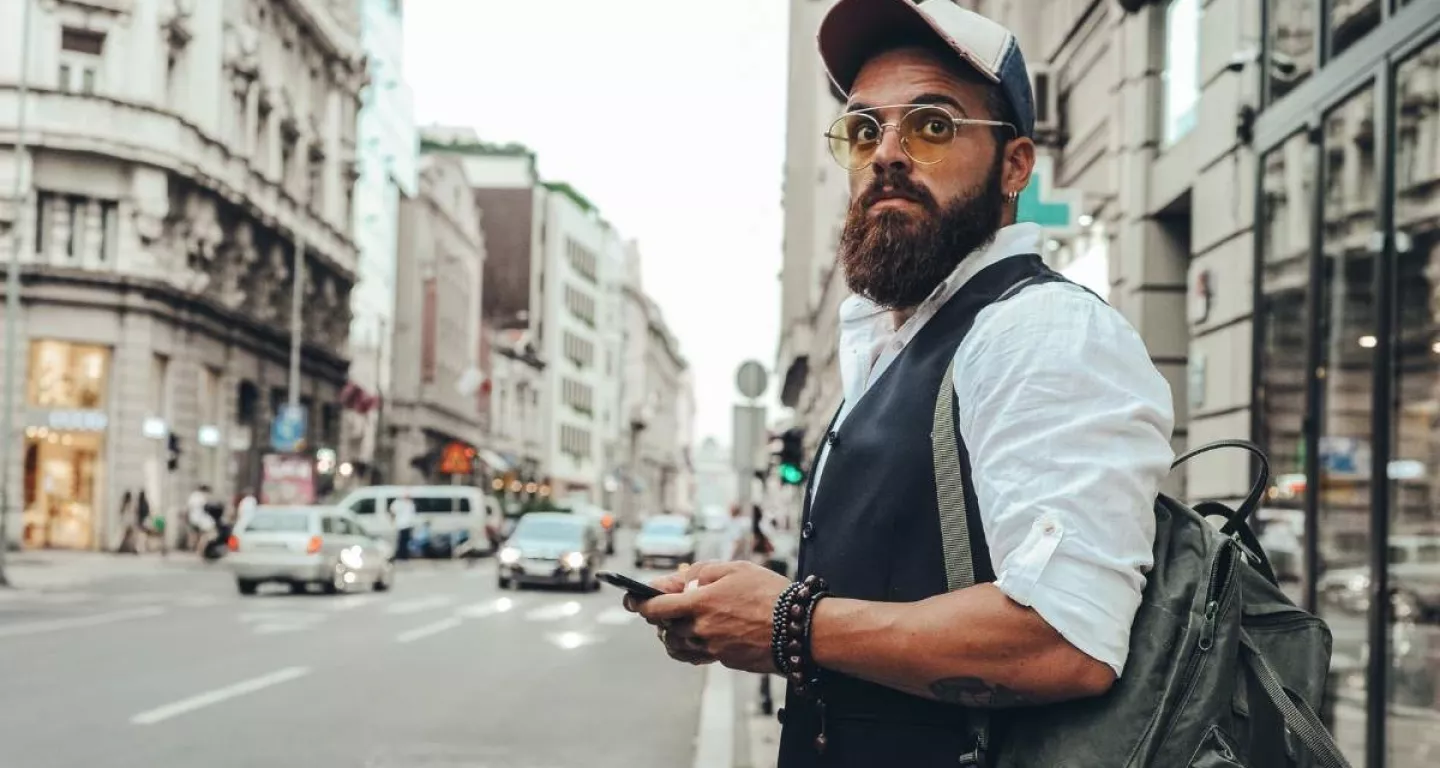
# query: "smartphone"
{"type": "Point", "coordinates": [638, 589]}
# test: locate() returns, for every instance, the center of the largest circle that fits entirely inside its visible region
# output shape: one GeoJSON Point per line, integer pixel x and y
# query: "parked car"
{"type": "Point", "coordinates": [669, 538]}
{"type": "Point", "coordinates": [300, 546]}
{"type": "Point", "coordinates": [556, 548]}
{"type": "Point", "coordinates": [457, 516]}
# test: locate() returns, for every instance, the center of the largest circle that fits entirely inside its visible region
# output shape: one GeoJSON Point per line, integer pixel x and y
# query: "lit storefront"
{"type": "Point", "coordinates": [65, 435]}
{"type": "Point", "coordinates": [1347, 351]}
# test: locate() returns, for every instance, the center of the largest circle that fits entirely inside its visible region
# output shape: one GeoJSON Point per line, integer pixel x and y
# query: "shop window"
{"type": "Point", "coordinates": [1291, 37]}
{"type": "Point", "coordinates": [1414, 543]}
{"type": "Point", "coordinates": [1182, 68]}
{"type": "Point", "coordinates": [69, 376]}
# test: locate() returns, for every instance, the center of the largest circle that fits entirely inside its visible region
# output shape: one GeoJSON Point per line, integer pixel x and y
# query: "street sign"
{"type": "Point", "coordinates": [287, 480]}
{"type": "Point", "coordinates": [751, 379]}
{"type": "Point", "coordinates": [287, 432]}
{"type": "Point", "coordinates": [748, 436]}
{"type": "Point", "coordinates": [1041, 202]}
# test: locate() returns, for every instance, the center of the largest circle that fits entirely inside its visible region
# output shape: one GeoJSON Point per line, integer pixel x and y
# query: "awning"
{"type": "Point", "coordinates": [495, 461]}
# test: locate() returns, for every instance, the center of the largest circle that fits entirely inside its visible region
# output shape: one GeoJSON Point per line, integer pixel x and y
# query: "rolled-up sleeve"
{"type": "Point", "coordinates": [1068, 425]}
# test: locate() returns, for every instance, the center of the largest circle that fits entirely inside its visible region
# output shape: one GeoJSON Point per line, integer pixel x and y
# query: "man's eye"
{"type": "Point", "coordinates": [864, 134]}
{"type": "Point", "coordinates": [935, 127]}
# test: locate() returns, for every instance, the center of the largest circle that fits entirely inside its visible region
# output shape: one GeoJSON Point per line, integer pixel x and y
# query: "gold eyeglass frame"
{"type": "Point", "coordinates": [904, 141]}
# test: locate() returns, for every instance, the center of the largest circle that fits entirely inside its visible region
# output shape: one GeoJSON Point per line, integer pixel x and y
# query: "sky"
{"type": "Point", "coordinates": [669, 115]}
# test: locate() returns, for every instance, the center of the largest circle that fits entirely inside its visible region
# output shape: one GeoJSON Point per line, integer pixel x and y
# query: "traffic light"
{"type": "Point", "coordinates": [792, 453]}
{"type": "Point", "coordinates": [172, 460]}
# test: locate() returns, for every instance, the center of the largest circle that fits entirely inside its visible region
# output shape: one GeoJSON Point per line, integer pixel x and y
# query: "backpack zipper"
{"type": "Point", "coordinates": [1217, 594]}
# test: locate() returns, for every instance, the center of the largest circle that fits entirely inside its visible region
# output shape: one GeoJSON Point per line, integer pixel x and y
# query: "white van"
{"type": "Point", "coordinates": [456, 515]}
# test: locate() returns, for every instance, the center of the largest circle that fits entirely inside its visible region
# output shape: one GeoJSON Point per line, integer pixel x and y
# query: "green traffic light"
{"type": "Point", "coordinates": [791, 474]}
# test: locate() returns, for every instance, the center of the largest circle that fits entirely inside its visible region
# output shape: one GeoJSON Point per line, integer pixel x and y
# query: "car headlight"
{"type": "Point", "coordinates": [509, 555]}
{"type": "Point", "coordinates": [352, 557]}
{"type": "Point", "coordinates": [575, 560]}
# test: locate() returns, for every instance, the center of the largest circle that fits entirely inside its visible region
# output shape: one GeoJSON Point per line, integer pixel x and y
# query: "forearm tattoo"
{"type": "Point", "coordinates": [974, 692]}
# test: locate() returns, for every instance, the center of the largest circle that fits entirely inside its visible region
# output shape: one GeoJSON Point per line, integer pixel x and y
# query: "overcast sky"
{"type": "Point", "coordinates": [668, 114]}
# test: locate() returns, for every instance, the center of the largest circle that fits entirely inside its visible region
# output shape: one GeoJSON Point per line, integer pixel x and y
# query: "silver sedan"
{"type": "Point", "coordinates": [300, 546]}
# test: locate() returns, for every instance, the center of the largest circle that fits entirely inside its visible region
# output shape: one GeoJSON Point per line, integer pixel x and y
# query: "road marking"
{"type": "Point", "coordinates": [487, 608]}
{"type": "Point", "coordinates": [348, 602]}
{"type": "Point", "coordinates": [715, 742]}
{"type": "Point", "coordinates": [276, 622]}
{"type": "Point", "coordinates": [428, 630]}
{"type": "Point", "coordinates": [569, 641]}
{"type": "Point", "coordinates": [554, 611]}
{"type": "Point", "coordinates": [160, 714]}
{"type": "Point", "coordinates": [616, 615]}
{"type": "Point", "coordinates": [419, 604]}
{"type": "Point", "coordinates": [55, 625]}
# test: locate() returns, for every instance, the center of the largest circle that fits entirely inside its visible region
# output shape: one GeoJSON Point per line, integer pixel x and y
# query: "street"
{"type": "Point", "coordinates": [176, 668]}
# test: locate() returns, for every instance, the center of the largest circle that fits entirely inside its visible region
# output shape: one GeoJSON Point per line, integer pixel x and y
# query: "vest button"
{"type": "Point", "coordinates": [833, 437]}
{"type": "Point", "coordinates": [807, 531]}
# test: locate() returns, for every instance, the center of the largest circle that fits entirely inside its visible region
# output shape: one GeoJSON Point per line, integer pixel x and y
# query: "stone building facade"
{"type": "Point", "coordinates": [178, 152]}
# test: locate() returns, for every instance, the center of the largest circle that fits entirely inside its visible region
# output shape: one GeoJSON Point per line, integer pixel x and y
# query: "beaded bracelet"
{"type": "Point", "coordinates": [778, 620]}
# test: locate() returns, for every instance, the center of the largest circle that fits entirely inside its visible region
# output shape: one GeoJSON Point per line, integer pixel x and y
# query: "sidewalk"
{"type": "Point", "coordinates": [760, 732]}
{"type": "Point", "coordinates": [60, 569]}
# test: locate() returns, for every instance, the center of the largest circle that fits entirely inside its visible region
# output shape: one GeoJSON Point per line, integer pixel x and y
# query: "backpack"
{"type": "Point", "coordinates": [1224, 670]}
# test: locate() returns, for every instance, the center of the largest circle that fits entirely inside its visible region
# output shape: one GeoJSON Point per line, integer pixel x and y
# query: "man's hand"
{"type": "Point", "coordinates": [727, 618]}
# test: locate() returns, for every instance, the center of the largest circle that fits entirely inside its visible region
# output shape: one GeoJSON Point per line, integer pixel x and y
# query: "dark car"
{"type": "Point", "coordinates": [553, 548]}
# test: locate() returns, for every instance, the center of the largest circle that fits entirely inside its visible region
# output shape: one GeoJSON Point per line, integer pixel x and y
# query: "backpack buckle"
{"type": "Point", "coordinates": [975, 758]}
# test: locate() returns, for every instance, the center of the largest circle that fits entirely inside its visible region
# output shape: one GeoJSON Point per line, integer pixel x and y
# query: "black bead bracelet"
{"type": "Point", "coordinates": [790, 642]}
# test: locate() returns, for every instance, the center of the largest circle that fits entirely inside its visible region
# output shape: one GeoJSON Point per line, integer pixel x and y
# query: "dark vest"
{"type": "Point", "coordinates": [872, 530]}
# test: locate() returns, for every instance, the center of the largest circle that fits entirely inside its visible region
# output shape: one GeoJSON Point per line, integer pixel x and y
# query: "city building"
{"type": "Point", "coordinates": [716, 484]}
{"type": "Point", "coordinates": [386, 151]}
{"type": "Point", "coordinates": [1251, 184]}
{"type": "Point", "coordinates": [516, 407]}
{"type": "Point", "coordinates": [658, 407]}
{"type": "Point", "coordinates": [184, 159]}
{"type": "Point", "coordinates": [437, 379]}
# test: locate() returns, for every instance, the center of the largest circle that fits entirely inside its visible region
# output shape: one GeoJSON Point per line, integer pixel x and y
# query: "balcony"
{"type": "Point", "coordinates": [145, 135]}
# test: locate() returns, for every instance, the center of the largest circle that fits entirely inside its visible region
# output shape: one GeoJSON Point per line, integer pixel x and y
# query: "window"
{"type": "Point", "coordinates": [279, 522]}
{"type": "Point", "coordinates": [581, 259]}
{"type": "Point", "coordinates": [1182, 68]}
{"type": "Point", "coordinates": [363, 507]}
{"type": "Point", "coordinates": [68, 376]}
{"type": "Point", "coordinates": [580, 304]}
{"type": "Point", "coordinates": [330, 525]}
{"type": "Point", "coordinates": [1293, 54]}
{"type": "Point", "coordinates": [442, 505]}
{"type": "Point", "coordinates": [81, 57]}
{"type": "Point", "coordinates": [574, 442]}
{"type": "Point", "coordinates": [44, 221]}
{"type": "Point", "coordinates": [1351, 20]}
{"type": "Point", "coordinates": [74, 226]}
{"type": "Point", "coordinates": [429, 318]}
{"type": "Point", "coordinates": [109, 230]}
{"type": "Point", "coordinates": [579, 351]}
{"type": "Point", "coordinates": [578, 396]}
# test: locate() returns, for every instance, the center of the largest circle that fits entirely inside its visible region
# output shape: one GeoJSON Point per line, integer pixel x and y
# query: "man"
{"type": "Point", "coordinates": [1064, 427]}
{"type": "Point", "coordinates": [246, 507]}
{"type": "Point", "coordinates": [202, 523]}
{"type": "Point", "coordinates": [402, 510]}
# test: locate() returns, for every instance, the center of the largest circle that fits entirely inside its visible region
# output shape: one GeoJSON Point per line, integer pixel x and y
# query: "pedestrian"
{"type": "Point", "coordinates": [402, 510]}
{"type": "Point", "coordinates": [200, 516]}
{"type": "Point", "coordinates": [1064, 427]}
{"type": "Point", "coordinates": [130, 531]}
{"type": "Point", "coordinates": [246, 507]}
{"type": "Point", "coordinates": [737, 535]}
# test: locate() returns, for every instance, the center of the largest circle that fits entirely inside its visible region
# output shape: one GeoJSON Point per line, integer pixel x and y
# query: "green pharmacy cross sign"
{"type": "Point", "coordinates": [1042, 203]}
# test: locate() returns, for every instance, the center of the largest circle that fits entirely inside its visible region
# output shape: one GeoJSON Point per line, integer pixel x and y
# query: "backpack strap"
{"type": "Point", "coordinates": [1300, 719]}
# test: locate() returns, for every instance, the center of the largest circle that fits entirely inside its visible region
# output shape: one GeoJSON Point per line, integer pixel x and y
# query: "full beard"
{"type": "Point", "coordinates": [897, 258]}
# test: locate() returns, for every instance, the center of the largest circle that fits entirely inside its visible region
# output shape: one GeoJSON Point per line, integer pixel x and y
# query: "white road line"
{"type": "Point", "coordinates": [56, 625]}
{"type": "Point", "coordinates": [554, 611]}
{"type": "Point", "coordinates": [348, 602]}
{"type": "Point", "coordinates": [218, 695]}
{"type": "Point", "coordinates": [419, 604]}
{"type": "Point", "coordinates": [715, 741]}
{"type": "Point", "coordinates": [428, 630]}
{"type": "Point", "coordinates": [616, 615]}
{"type": "Point", "coordinates": [487, 608]}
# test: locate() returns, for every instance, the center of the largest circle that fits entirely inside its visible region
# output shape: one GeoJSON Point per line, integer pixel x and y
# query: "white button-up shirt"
{"type": "Point", "coordinates": [1068, 426]}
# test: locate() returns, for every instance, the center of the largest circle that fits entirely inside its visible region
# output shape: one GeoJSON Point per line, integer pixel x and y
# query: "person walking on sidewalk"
{"type": "Point", "coordinates": [1064, 427]}
{"type": "Point", "coordinates": [402, 510]}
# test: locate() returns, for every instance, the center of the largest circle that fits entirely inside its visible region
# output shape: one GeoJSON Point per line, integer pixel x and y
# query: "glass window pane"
{"type": "Point", "coordinates": [1414, 489]}
{"type": "Point", "coordinates": [1182, 68]}
{"type": "Point", "coordinates": [1287, 206]}
{"type": "Point", "coordinates": [1351, 20]}
{"type": "Point", "coordinates": [1346, 371]}
{"type": "Point", "coordinates": [68, 376]}
{"type": "Point", "coordinates": [1293, 52]}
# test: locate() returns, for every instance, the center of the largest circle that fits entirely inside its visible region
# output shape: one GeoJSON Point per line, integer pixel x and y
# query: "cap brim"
{"type": "Point", "coordinates": [853, 29]}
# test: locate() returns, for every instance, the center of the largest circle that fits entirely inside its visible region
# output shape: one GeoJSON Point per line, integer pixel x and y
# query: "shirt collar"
{"type": "Point", "coordinates": [1014, 240]}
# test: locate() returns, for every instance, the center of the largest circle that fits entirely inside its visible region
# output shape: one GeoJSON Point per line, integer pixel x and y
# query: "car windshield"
{"type": "Point", "coordinates": [664, 528]}
{"type": "Point", "coordinates": [548, 529]}
{"type": "Point", "coordinates": [279, 522]}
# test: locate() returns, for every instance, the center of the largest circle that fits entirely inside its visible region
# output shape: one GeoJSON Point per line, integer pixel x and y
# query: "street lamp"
{"type": "Point", "coordinates": [12, 289]}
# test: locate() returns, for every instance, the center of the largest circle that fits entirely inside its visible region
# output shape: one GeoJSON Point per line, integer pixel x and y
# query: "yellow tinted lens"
{"type": "Point", "coordinates": [927, 133]}
{"type": "Point", "coordinates": [853, 139]}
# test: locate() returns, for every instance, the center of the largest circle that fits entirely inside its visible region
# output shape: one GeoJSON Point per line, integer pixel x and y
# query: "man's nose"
{"type": "Point", "coordinates": [890, 156]}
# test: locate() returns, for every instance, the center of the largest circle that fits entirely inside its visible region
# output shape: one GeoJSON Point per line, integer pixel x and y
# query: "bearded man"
{"type": "Point", "coordinates": [1063, 425]}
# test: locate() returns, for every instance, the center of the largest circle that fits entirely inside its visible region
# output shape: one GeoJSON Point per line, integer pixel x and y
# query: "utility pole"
{"type": "Point", "coordinates": [19, 198]}
{"type": "Point", "coordinates": [297, 332]}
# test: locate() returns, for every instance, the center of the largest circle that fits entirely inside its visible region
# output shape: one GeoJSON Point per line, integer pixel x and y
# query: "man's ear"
{"type": "Point", "coordinates": [1019, 163]}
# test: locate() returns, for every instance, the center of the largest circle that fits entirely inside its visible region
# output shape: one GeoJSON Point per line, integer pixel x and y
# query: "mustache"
{"type": "Point", "coordinates": [886, 187]}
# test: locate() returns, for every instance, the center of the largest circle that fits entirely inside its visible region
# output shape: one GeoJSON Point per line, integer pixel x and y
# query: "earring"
{"type": "Point", "coordinates": [1012, 197]}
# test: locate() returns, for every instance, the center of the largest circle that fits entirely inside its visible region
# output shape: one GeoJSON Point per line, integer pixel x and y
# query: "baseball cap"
{"type": "Point", "coordinates": [853, 30]}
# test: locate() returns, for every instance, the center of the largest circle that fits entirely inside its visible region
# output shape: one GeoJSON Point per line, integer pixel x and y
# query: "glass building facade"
{"type": "Point", "coordinates": [1347, 351]}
